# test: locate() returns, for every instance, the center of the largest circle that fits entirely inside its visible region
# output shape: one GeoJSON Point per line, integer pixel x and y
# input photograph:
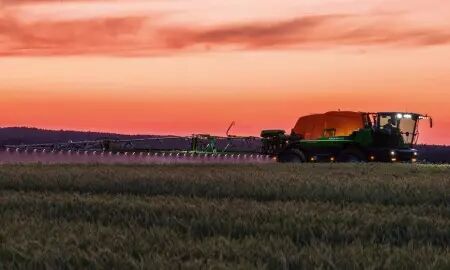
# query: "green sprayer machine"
{"type": "Point", "coordinates": [348, 137]}
{"type": "Point", "coordinates": [336, 136]}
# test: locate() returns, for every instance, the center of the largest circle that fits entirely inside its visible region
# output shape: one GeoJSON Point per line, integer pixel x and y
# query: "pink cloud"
{"type": "Point", "coordinates": [326, 30]}
{"type": "Point", "coordinates": [100, 36]}
{"type": "Point", "coordinates": [130, 36]}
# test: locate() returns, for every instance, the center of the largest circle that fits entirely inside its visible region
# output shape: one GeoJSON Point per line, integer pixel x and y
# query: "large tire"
{"type": "Point", "coordinates": [291, 156]}
{"type": "Point", "coordinates": [351, 155]}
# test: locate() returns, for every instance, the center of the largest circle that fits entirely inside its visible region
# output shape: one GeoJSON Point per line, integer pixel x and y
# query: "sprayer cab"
{"type": "Point", "coordinates": [399, 125]}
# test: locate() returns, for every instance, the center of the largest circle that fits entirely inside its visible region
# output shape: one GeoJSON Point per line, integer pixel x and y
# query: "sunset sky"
{"type": "Point", "coordinates": [191, 66]}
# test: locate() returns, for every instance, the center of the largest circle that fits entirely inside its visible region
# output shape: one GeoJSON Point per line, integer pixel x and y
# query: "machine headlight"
{"type": "Point", "coordinates": [415, 154]}
{"type": "Point", "coordinates": [392, 153]}
{"type": "Point", "coordinates": [399, 115]}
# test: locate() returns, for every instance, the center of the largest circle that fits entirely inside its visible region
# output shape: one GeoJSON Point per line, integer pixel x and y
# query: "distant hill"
{"type": "Point", "coordinates": [434, 153]}
{"type": "Point", "coordinates": [25, 135]}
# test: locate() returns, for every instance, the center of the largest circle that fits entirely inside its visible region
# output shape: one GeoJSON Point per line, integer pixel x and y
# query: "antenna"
{"type": "Point", "coordinates": [229, 128]}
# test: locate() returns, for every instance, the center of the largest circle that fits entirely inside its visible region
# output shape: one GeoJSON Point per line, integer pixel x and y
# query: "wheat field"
{"type": "Point", "coordinates": [225, 216]}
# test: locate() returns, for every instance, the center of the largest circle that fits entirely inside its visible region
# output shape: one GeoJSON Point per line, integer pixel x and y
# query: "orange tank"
{"type": "Point", "coordinates": [334, 123]}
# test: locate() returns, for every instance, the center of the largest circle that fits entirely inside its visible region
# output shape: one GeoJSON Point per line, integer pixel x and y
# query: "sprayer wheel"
{"type": "Point", "coordinates": [351, 155]}
{"type": "Point", "coordinates": [291, 156]}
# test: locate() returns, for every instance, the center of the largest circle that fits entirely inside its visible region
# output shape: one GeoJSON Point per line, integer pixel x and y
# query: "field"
{"type": "Point", "coordinates": [269, 216]}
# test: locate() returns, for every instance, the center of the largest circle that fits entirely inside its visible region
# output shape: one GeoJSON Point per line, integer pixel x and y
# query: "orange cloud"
{"type": "Point", "coordinates": [325, 30]}
{"type": "Point", "coordinates": [145, 36]}
{"type": "Point", "coordinates": [99, 36]}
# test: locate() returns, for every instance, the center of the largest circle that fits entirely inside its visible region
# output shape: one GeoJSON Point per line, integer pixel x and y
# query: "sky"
{"type": "Point", "coordinates": [194, 66]}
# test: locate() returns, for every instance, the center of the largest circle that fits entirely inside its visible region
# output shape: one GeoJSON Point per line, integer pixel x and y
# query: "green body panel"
{"type": "Point", "coordinates": [362, 137]}
{"type": "Point", "coordinates": [326, 142]}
